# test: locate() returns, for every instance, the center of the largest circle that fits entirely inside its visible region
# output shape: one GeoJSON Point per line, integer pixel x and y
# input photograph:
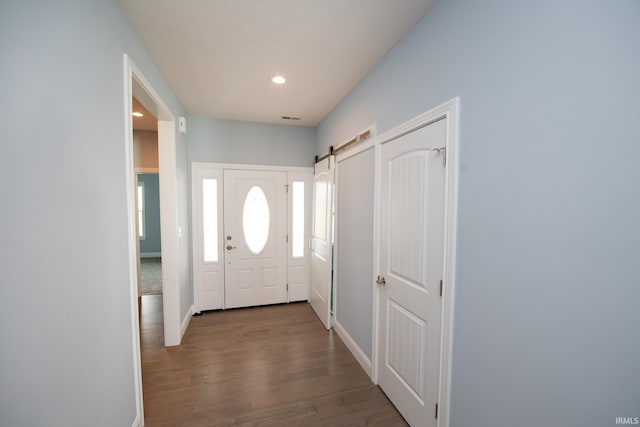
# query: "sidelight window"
{"type": "Point", "coordinates": [210, 219]}
{"type": "Point", "coordinates": [297, 216]}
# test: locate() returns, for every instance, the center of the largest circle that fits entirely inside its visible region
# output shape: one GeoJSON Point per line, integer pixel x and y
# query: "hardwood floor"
{"type": "Point", "coordinates": [263, 366]}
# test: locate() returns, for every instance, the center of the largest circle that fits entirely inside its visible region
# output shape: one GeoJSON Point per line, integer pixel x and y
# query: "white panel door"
{"type": "Point", "coordinates": [208, 258]}
{"type": "Point", "coordinates": [321, 240]}
{"type": "Point", "coordinates": [255, 237]}
{"type": "Point", "coordinates": [411, 264]}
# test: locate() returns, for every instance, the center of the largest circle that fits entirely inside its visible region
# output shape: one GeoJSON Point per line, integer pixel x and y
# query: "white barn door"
{"type": "Point", "coordinates": [412, 221]}
{"type": "Point", "coordinates": [321, 240]}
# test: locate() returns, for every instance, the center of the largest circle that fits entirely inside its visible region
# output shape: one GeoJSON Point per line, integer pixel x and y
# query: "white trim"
{"type": "Point", "coordinates": [146, 170]}
{"type": "Point", "coordinates": [185, 322]}
{"type": "Point", "coordinates": [442, 111]}
{"type": "Point", "coordinates": [132, 234]}
{"type": "Point", "coordinates": [333, 284]}
{"type": "Point", "coordinates": [150, 254]}
{"type": "Point", "coordinates": [450, 112]}
{"type": "Point", "coordinates": [376, 263]}
{"type": "Point", "coordinates": [169, 231]}
{"type": "Point", "coordinates": [145, 93]}
{"type": "Point", "coordinates": [451, 220]}
{"type": "Point", "coordinates": [137, 422]}
{"type": "Point", "coordinates": [196, 232]}
{"type": "Point", "coordinates": [357, 352]}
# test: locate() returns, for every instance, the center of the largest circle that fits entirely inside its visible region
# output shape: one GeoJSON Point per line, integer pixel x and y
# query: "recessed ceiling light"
{"type": "Point", "coordinates": [278, 79]}
{"type": "Point", "coordinates": [137, 114]}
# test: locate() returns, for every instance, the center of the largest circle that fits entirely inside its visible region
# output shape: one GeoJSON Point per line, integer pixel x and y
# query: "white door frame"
{"type": "Point", "coordinates": [447, 111]}
{"type": "Point", "coordinates": [136, 84]}
{"type": "Point", "coordinates": [299, 172]}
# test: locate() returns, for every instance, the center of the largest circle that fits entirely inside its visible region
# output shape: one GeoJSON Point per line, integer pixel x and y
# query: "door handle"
{"type": "Point", "coordinates": [381, 281]}
{"type": "Point", "coordinates": [229, 247]}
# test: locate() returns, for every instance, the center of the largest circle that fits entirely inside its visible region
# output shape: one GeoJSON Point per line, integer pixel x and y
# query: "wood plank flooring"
{"type": "Point", "coordinates": [263, 366]}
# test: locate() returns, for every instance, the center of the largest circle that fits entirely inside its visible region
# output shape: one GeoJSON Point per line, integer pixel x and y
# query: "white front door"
{"type": "Point", "coordinates": [255, 237]}
{"type": "Point", "coordinates": [321, 240]}
{"type": "Point", "coordinates": [411, 269]}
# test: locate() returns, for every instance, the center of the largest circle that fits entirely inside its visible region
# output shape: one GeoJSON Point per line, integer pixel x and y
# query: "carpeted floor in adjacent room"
{"type": "Point", "coordinates": [151, 272]}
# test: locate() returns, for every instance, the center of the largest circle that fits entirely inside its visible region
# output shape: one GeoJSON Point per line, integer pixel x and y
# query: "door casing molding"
{"type": "Point", "coordinates": [136, 84]}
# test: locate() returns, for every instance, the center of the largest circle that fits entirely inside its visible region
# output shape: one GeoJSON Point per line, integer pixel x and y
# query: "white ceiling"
{"type": "Point", "coordinates": [218, 54]}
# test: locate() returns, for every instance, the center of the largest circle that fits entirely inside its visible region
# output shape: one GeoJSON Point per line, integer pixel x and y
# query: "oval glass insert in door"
{"type": "Point", "coordinates": [255, 219]}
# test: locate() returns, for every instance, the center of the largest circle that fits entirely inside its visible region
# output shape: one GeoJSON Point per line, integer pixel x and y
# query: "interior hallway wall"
{"type": "Point", "coordinates": [353, 272]}
{"type": "Point", "coordinates": [145, 149]}
{"type": "Point", "coordinates": [231, 141]}
{"type": "Point", "coordinates": [548, 269]}
{"type": "Point", "coordinates": [65, 322]}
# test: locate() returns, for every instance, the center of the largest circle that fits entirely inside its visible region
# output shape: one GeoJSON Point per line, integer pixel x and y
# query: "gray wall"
{"type": "Point", "coordinates": [548, 273]}
{"type": "Point", "coordinates": [230, 141]}
{"type": "Point", "coordinates": [151, 242]}
{"type": "Point", "coordinates": [65, 323]}
{"type": "Point", "coordinates": [354, 246]}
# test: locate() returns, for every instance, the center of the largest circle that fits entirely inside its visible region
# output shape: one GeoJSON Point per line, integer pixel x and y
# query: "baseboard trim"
{"type": "Point", "coordinates": [357, 352]}
{"type": "Point", "coordinates": [185, 322]}
{"type": "Point", "coordinates": [150, 254]}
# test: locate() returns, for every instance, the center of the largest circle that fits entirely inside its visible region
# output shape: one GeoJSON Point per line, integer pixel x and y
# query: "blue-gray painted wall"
{"type": "Point", "coordinates": [151, 242]}
{"type": "Point", "coordinates": [230, 141]}
{"type": "Point", "coordinates": [65, 322]}
{"type": "Point", "coordinates": [548, 268]}
{"type": "Point", "coordinates": [354, 246]}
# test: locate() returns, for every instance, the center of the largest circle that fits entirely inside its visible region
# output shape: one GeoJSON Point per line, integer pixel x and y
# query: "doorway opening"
{"type": "Point", "coordinates": [136, 86]}
{"type": "Point", "coordinates": [145, 161]}
{"type": "Point", "coordinates": [150, 255]}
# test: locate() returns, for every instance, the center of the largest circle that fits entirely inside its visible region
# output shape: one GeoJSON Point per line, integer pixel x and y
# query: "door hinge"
{"type": "Point", "coordinates": [441, 285]}
{"type": "Point", "coordinates": [442, 150]}
{"type": "Point", "coordinates": [287, 238]}
{"type": "Point", "coordinates": [287, 287]}
{"type": "Point", "coordinates": [436, 410]}
{"type": "Point", "coordinates": [286, 186]}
